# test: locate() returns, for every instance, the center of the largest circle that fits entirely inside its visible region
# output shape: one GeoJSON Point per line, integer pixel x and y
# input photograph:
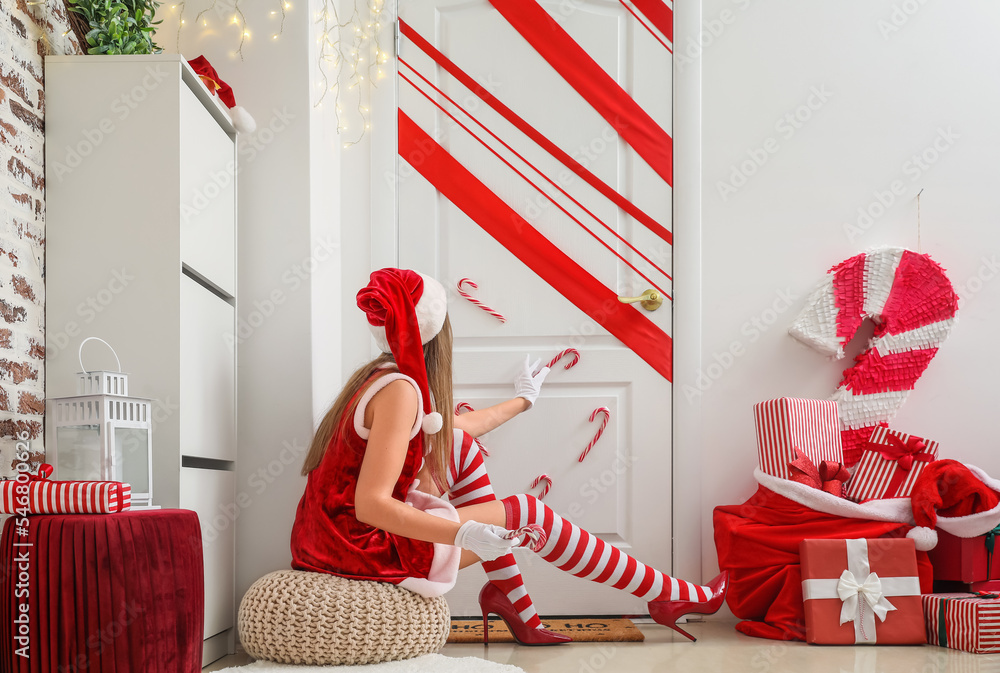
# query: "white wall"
{"type": "Point", "coordinates": [896, 82]}
{"type": "Point", "coordinates": [283, 250]}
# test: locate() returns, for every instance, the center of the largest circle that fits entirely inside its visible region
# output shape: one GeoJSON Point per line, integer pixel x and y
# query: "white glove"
{"type": "Point", "coordinates": [484, 540]}
{"type": "Point", "coordinates": [527, 384]}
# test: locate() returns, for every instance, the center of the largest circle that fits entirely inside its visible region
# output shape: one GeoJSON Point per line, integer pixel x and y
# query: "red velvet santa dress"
{"type": "Point", "coordinates": [327, 535]}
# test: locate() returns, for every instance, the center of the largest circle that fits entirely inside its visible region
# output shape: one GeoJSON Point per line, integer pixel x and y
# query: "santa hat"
{"type": "Point", "coordinates": [405, 310]}
{"type": "Point", "coordinates": [242, 121]}
{"type": "Point", "coordinates": [949, 489]}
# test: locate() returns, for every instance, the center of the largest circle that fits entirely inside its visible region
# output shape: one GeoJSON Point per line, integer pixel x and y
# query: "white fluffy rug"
{"type": "Point", "coordinates": [429, 663]}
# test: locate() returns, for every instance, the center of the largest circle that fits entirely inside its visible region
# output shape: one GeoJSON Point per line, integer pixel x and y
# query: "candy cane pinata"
{"type": "Point", "coordinates": [545, 489]}
{"type": "Point", "coordinates": [600, 431]}
{"type": "Point", "coordinates": [493, 312]}
{"type": "Point", "coordinates": [465, 406]}
{"type": "Point", "coordinates": [569, 351]}
{"type": "Point", "coordinates": [913, 305]}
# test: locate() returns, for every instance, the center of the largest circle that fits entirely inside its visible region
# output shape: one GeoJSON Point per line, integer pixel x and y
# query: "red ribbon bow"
{"type": "Point", "coordinates": [829, 477]}
{"type": "Point", "coordinates": [903, 454]}
{"type": "Point", "coordinates": [44, 472]}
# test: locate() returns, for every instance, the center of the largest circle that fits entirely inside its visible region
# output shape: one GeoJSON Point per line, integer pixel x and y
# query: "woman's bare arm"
{"type": "Point", "coordinates": [478, 423]}
{"type": "Point", "coordinates": [392, 413]}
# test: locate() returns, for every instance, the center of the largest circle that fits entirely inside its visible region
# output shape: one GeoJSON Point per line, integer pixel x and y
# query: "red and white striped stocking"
{"type": "Point", "coordinates": [574, 550]}
{"type": "Point", "coordinates": [469, 484]}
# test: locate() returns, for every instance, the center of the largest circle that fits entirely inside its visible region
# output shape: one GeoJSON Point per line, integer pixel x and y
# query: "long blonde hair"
{"type": "Point", "coordinates": [437, 355]}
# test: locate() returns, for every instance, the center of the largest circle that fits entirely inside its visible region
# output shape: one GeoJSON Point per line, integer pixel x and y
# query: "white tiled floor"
{"type": "Point", "coordinates": [719, 648]}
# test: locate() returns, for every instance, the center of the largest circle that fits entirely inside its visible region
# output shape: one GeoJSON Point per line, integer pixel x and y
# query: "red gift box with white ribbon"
{"type": "Point", "coordinates": [861, 592]}
{"type": "Point", "coordinates": [38, 495]}
{"type": "Point", "coordinates": [890, 465]}
{"type": "Point", "coordinates": [963, 621]}
{"type": "Point", "coordinates": [788, 428]}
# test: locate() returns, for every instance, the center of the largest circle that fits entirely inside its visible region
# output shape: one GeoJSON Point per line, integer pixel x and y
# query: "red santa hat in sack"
{"type": "Point", "coordinates": [977, 513]}
{"type": "Point", "coordinates": [955, 498]}
{"type": "Point", "coordinates": [242, 121]}
{"type": "Point", "coordinates": [405, 310]}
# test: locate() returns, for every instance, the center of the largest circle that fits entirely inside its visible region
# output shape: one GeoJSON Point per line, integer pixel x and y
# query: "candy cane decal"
{"type": "Point", "coordinates": [493, 312]}
{"type": "Point", "coordinates": [465, 406]}
{"type": "Point", "coordinates": [913, 305]}
{"type": "Point", "coordinates": [600, 431]}
{"type": "Point", "coordinates": [545, 489]}
{"type": "Point", "coordinates": [569, 365]}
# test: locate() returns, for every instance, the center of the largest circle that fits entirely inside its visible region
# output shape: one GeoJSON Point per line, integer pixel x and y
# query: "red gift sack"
{"type": "Point", "coordinates": [758, 543]}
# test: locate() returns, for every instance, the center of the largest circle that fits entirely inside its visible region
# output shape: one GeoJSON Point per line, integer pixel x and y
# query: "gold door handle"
{"type": "Point", "coordinates": [649, 300]}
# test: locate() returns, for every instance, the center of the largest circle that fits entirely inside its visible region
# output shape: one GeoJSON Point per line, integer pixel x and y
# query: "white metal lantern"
{"type": "Point", "coordinates": [103, 434]}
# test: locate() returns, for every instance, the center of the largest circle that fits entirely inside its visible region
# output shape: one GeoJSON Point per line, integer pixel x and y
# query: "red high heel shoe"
{"type": "Point", "coordinates": [492, 599]}
{"type": "Point", "coordinates": [668, 612]}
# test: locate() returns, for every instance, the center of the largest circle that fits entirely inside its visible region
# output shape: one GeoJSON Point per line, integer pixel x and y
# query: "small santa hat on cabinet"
{"type": "Point", "coordinates": [242, 121]}
{"type": "Point", "coordinates": [947, 488]}
{"type": "Point", "coordinates": [405, 310]}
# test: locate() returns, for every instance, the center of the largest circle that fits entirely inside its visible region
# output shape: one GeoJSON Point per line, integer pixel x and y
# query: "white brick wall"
{"type": "Point", "coordinates": [27, 33]}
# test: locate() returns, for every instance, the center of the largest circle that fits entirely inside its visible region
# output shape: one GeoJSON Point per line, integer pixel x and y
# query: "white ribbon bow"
{"type": "Point", "coordinates": [871, 590]}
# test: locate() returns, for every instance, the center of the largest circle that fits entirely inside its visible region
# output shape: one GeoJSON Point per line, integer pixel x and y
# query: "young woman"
{"type": "Point", "coordinates": [381, 459]}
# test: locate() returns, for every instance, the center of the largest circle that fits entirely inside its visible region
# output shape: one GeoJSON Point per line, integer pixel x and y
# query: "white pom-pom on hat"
{"type": "Point", "coordinates": [432, 423]}
{"type": "Point", "coordinates": [242, 121]}
{"type": "Point", "coordinates": [924, 538]}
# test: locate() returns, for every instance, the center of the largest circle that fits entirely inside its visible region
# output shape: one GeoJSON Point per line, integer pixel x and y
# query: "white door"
{"type": "Point", "coordinates": [622, 490]}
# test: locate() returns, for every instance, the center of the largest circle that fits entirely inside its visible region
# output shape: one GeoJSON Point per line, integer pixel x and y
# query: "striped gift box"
{"type": "Point", "coordinates": [64, 497]}
{"type": "Point", "coordinates": [963, 622]}
{"type": "Point", "coordinates": [874, 474]}
{"type": "Point", "coordinates": [787, 424]}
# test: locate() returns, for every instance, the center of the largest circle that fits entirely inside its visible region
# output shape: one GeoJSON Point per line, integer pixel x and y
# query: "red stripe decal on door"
{"type": "Point", "coordinates": [658, 14]}
{"type": "Point", "coordinates": [515, 234]}
{"type": "Point", "coordinates": [533, 133]}
{"type": "Point", "coordinates": [592, 82]}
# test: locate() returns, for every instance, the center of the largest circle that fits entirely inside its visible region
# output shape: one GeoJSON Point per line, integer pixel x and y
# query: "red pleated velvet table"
{"type": "Point", "coordinates": [110, 593]}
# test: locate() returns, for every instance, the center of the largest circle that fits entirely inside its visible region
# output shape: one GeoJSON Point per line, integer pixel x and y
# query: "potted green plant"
{"type": "Point", "coordinates": [116, 26]}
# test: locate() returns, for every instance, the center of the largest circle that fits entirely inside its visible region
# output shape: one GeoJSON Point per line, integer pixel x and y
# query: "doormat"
{"type": "Point", "coordinates": [581, 630]}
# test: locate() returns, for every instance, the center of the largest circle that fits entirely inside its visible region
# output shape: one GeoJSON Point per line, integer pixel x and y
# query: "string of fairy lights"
{"type": "Point", "coordinates": [348, 50]}
{"type": "Point", "coordinates": [230, 12]}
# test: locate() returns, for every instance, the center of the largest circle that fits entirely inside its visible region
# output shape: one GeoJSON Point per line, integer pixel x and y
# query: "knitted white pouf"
{"type": "Point", "coordinates": [297, 617]}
